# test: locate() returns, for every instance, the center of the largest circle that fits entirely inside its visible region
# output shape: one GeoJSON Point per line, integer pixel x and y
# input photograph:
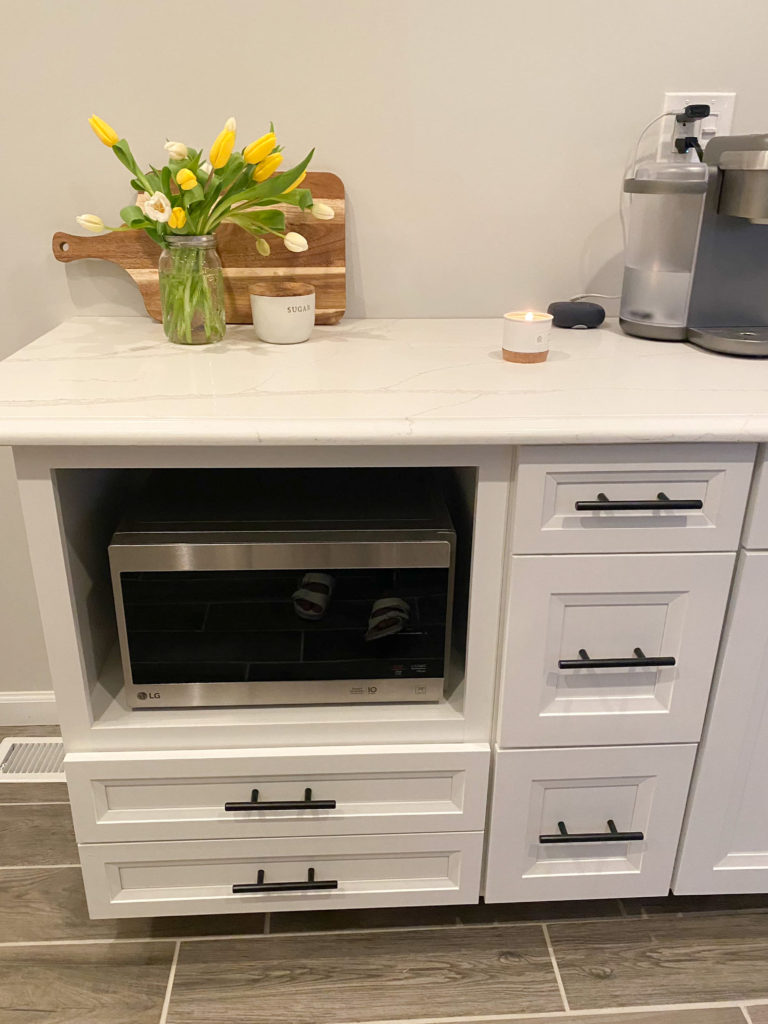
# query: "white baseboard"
{"type": "Point", "coordinates": [28, 707]}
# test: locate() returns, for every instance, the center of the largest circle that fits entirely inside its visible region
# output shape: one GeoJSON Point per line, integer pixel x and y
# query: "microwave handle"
{"type": "Point", "coordinates": [307, 804]}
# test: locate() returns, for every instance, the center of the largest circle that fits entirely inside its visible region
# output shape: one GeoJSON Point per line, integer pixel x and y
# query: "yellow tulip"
{"type": "Point", "coordinates": [296, 183]}
{"type": "Point", "coordinates": [90, 222]}
{"type": "Point", "coordinates": [185, 179]}
{"type": "Point", "coordinates": [230, 125]}
{"type": "Point", "coordinates": [256, 151]}
{"type": "Point", "coordinates": [267, 167]}
{"type": "Point", "coordinates": [178, 217]}
{"type": "Point", "coordinates": [221, 149]}
{"type": "Point", "coordinates": [107, 135]}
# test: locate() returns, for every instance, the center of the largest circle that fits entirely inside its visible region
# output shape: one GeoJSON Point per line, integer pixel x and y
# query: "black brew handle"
{"type": "Point", "coordinates": [307, 804]}
{"type": "Point", "coordinates": [638, 661]}
{"type": "Point", "coordinates": [261, 886]}
{"type": "Point", "coordinates": [611, 836]}
{"type": "Point", "coordinates": [661, 502]}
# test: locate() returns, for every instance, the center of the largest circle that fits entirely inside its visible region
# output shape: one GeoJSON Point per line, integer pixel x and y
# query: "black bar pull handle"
{"type": "Point", "coordinates": [307, 804]}
{"type": "Point", "coordinates": [661, 502]}
{"type": "Point", "coordinates": [611, 836]}
{"type": "Point", "coordinates": [639, 660]}
{"type": "Point", "coordinates": [261, 886]}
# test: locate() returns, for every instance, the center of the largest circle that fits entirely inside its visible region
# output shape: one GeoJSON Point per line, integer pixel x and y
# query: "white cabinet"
{"type": "Point", "coordinates": [756, 526]}
{"type": "Point", "coordinates": [725, 840]}
{"type": "Point", "coordinates": [208, 876]}
{"type": "Point", "coordinates": [206, 794]}
{"type": "Point", "coordinates": [625, 498]}
{"type": "Point", "coordinates": [635, 796]}
{"type": "Point", "coordinates": [565, 614]}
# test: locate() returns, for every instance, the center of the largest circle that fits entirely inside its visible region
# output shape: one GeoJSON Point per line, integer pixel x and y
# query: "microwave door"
{"type": "Point", "coordinates": [192, 635]}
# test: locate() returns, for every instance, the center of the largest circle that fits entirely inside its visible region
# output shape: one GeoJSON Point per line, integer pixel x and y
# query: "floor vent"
{"type": "Point", "coordinates": [32, 759]}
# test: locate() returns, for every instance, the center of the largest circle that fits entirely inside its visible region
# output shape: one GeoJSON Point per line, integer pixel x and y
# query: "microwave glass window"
{"type": "Point", "coordinates": [240, 626]}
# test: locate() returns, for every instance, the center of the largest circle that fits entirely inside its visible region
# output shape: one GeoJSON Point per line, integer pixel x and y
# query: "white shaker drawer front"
{"type": "Point", "coordinates": [622, 498]}
{"type": "Point", "coordinates": [231, 876]}
{"type": "Point", "coordinates": [300, 792]}
{"type": "Point", "coordinates": [551, 809]}
{"type": "Point", "coordinates": [610, 649]}
{"type": "Point", "coordinates": [756, 533]}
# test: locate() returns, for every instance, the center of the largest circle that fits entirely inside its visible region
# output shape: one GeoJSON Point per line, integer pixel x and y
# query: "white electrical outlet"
{"type": "Point", "coordinates": [719, 121]}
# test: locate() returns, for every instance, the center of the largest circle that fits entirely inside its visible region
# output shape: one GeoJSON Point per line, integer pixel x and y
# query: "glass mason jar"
{"type": "Point", "coordinates": [192, 290]}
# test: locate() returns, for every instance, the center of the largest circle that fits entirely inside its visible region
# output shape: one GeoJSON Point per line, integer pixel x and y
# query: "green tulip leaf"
{"type": "Point", "coordinates": [123, 153]}
{"type": "Point", "coordinates": [260, 194]}
{"type": "Point", "coordinates": [132, 216]}
{"type": "Point", "coordinates": [192, 195]}
{"type": "Point", "coordinates": [165, 177]}
{"type": "Point", "coordinates": [303, 198]}
{"type": "Point", "coordinates": [155, 235]}
{"type": "Point", "coordinates": [272, 220]}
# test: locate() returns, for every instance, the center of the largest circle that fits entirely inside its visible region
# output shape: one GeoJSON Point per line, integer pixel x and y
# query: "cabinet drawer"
{"type": "Point", "coordinates": [641, 790]}
{"type": "Point", "coordinates": [552, 481]}
{"type": "Point", "coordinates": [154, 879]}
{"type": "Point", "coordinates": [183, 795]}
{"type": "Point", "coordinates": [668, 607]}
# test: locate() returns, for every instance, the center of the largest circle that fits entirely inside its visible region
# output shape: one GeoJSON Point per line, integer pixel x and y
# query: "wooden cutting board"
{"type": "Point", "coordinates": [322, 265]}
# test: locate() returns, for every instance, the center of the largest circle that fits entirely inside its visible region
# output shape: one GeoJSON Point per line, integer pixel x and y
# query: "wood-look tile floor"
{"type": "Point", "coordinates": [675, 960]}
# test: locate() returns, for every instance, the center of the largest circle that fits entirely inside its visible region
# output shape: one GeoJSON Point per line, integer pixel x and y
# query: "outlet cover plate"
{"type": "Point", "coordinates": [719, 122]}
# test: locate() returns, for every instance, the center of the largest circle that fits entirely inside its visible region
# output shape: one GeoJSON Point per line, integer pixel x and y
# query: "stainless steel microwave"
{"type": "Point", "coordinates": [278, 587]}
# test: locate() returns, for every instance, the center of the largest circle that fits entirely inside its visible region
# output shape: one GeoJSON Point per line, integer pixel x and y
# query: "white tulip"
{"type": "Point", "coordinates": [90, 222]}
{"type": "Point", "coordinates": [158, 207]}
{"type": "Point", "coordinates": [322, 211]}
{"type": "Point", "coordinates": [262, 246]}
{"type": "Point", "coordinates": [177, 150]}
{"type": "Point", "coordinates": [230, 125]}
{"type": "Point", "coordinates": [141, 201]}
{"type": "Point", "coordinates": [206, 168]}
{"type": "Point", "coordinates": [294, 242]}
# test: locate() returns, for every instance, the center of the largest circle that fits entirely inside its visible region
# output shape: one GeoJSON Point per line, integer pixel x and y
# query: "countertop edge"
{"type": "Point", "coordinates": [194, 433]}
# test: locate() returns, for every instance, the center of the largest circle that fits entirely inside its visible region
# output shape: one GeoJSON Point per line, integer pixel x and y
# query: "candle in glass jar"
{"type": "Point", "coordinates": [526, 336]}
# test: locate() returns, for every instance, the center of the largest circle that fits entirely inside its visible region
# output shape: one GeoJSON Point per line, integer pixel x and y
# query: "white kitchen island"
{"type": "Point", "coordinates": [529, 780]}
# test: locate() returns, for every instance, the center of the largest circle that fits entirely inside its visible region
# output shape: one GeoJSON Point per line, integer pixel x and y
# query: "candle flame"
{"type": "Point", "coordinates": [529, 316]}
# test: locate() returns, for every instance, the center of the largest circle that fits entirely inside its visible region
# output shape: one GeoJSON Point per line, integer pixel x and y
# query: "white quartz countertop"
{"type": "Point", "coordinates": [116, 380]}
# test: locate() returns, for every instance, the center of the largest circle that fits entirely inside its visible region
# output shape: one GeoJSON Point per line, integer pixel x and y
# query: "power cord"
{"type": "Point", "coordinates": [629, 169]}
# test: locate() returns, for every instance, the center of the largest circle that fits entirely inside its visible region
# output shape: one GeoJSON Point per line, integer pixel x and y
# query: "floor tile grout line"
{"type": "Point", "coordinates": [556, 968]}
{"type": "Point", "coordinates": [33, 803]}
{"type": "Point", "coordinates": [436, 927]}
{"type": "Point", "coordinates": [32, 943]}
{"type": "Point", "coordinates": [746, 1014]}
{"type": "Point", "coordinates": [567, 1015]}
{"type": "Point", "coordinates": [111, 940]}
{"type": "Point", "coordinates": [169, 986]}
{"type": "Point", "coordinates": [34, 867]}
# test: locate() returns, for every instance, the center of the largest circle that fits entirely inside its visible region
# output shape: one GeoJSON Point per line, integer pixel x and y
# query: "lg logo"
{"type": "Point", "coordinates": [143, 695]}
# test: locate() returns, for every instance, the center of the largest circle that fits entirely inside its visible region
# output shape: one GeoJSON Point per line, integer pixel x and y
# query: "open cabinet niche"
{"type": "Point", "coordinates": [91, 502]}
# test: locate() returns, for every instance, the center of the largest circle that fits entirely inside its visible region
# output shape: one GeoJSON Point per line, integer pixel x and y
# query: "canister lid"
{"type": "Point", "coordinates": [670, 178]}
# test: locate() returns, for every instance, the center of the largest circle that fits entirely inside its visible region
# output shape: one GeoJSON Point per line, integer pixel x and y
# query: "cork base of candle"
{"type": "Point", "coordinates": [524, 357]}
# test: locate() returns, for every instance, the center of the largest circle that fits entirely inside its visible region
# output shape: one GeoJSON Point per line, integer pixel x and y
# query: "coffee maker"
{"type": "Point", "coordinates": [696, 264]}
